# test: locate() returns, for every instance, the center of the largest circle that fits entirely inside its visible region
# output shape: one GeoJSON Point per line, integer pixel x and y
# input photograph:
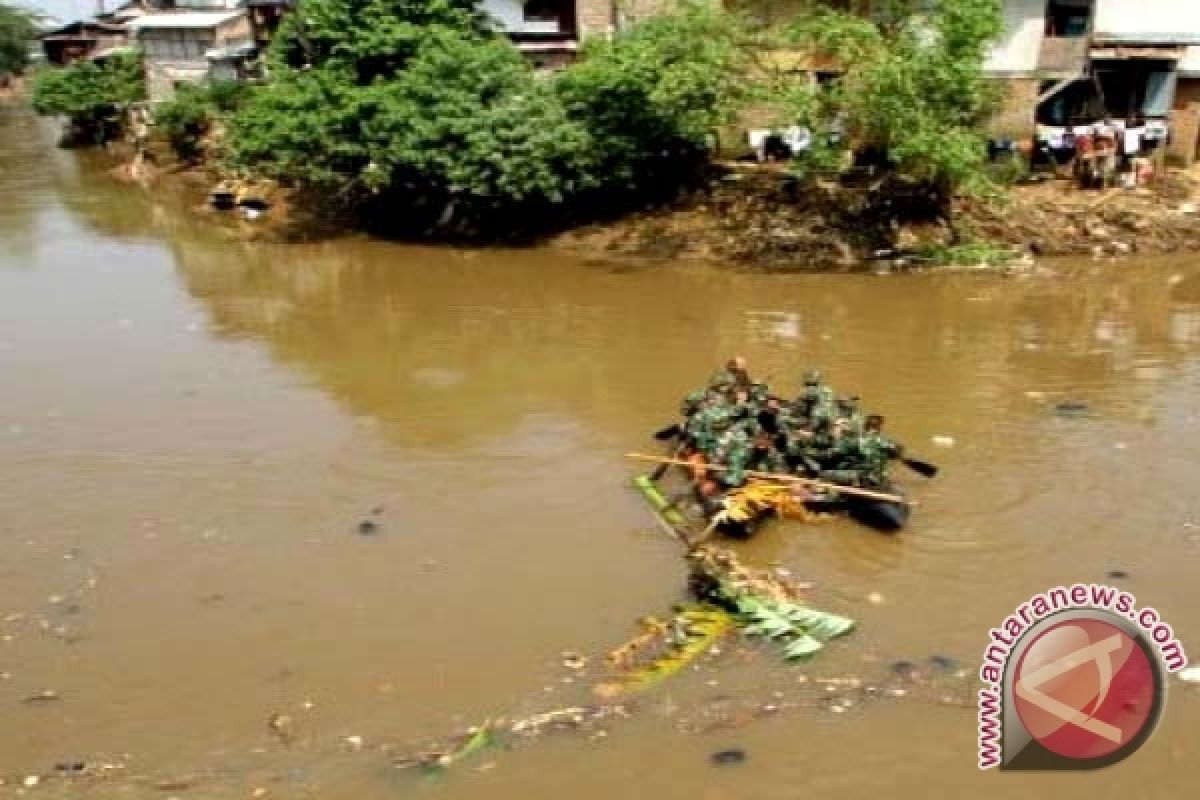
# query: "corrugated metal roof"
{"type": "Point", "coordinates": [105, 52]}
{"type": "Point", "coordinates": [184, 19]}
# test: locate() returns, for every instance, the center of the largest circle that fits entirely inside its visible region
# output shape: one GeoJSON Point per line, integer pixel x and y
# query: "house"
{"type": "Point", "coordinates": [1066, 61]}
{"type": "Point", "coordinates": [80, 40]}
{"type": "Point", "coordinates": [550, 32]}
{"type": "Point", "coordinates": [191, 46]}
{"type": "Point", "coordinates": [265, 17]}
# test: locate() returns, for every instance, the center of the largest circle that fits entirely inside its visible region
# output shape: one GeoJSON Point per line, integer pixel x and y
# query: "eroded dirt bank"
{"type": "Point", "coordinates": [760, 218]}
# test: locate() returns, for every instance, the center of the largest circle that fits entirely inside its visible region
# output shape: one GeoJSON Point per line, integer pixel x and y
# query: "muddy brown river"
{"type": "Point", "coordinates": [193, 426]}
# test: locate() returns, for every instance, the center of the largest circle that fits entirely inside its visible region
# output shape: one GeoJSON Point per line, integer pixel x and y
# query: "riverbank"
{"type": "Point", "coordinates": [760, 218]}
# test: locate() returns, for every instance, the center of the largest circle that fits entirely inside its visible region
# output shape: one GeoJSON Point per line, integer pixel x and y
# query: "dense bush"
{"type": "Point", "coordinates": [913, 89]}
{"type": "Point", "coordinates": [189, 116]}
{"type": "Point", "coordinates": [653, 97]}
{"type": "Point", "coordinates": [18, 26]}
{"type": "Point", "coordinates": [418, 110]}
{"type": "Point", "coordinates": [91, 95]}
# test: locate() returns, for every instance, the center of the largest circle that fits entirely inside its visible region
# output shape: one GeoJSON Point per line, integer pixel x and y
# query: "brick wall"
{"type": "Point", "coordinates": [1015, 118]}
{"type": "Point", "coordinates": [1187, 92]}
{"type": "Point", "coordinates": [1185, 134]}
{"type": "Point", "coordinates": [595, 17]}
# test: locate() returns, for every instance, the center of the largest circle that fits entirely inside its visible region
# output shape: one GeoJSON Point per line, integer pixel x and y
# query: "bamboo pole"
{"type": "Point", "coordinates": [779, 478]}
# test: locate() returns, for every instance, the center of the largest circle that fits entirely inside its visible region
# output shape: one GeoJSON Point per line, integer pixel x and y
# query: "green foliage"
{"type": "Point", "coordinates": [418, 103]}
{"type": "Point", "coordinates": [226, 96]}
{"type": "Point", "coordinates": [464, 123]}
{"type": "Point", "coordinates": [914, 86]}
{"type": "Point", "coordinates": [971, 253]}
{"type": "Point", "coordinates": [802, 631]}
{"type": "Point", "coordinates": [369, 39]}
{"type": "Point", "coordinates": [184, 119]}
{"type": "Point", "coordinates": [691, 633]}
{"type": "Point", "coordinates": [188, 116]}
{"type": "Point", "coordinates": [18, 26]}
{"type": "Point", "coordinates": [91, 95]}
{"type": "Point", "coordinates": [653, 96]}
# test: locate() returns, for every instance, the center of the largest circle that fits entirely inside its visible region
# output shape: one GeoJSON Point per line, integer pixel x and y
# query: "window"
{"type": "Point", "coordinates": [1068, 18]}
{"type": "Point", "coordinates": [178, 45]}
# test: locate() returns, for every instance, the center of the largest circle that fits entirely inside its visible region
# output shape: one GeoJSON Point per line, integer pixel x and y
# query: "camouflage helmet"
{"type": "Point", "coordinates": [847, 403]}
{"type": "Point", "coordinates": [750, 427]}
{"type": "Point", "coordinates": [719, 419]}
{"type": "Point", "coordinates": [812, 377]}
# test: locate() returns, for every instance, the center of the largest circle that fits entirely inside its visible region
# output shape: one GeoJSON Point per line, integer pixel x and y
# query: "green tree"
{"type": "Point", "coordinates": [91, 95]}
{"type": "Point", "coordinates": [18, 26]}
{"type": "Point", "coordinates": [654, 96]}
{"type": "Point", "coordinates": [193, 111]}
{"type": "Point", "coordinates": [418, 112]}
{"type": "Point", "coordinates": [913, 87]}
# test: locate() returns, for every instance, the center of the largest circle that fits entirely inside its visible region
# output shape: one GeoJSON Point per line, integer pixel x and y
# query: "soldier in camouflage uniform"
{"type": "Point", "coordinates": [861, 459]}
{"type": "Point", "coordinates": [735, 374]}
{"type": "Point", "coordinates": [705, 427]}
{"type": "Point", "coordinates": [814, 403]}
{"type": "Point", "coordinates": [849, 420]}
{"type": "Point", "coordinates": [733, 451]}
{"type": "Point", "coordinates": [693, 402]}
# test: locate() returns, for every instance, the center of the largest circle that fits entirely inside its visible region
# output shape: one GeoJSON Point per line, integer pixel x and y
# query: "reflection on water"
{"type": "Point", "coordinates": [197, 423]}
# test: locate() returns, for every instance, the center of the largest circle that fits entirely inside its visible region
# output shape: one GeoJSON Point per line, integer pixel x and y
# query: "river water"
{"type": "Point", "coordinates": [193, 425]}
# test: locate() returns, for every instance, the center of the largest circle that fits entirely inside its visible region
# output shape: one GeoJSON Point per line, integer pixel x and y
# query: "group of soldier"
{"type": "Point", "coordinates": [737, 423]}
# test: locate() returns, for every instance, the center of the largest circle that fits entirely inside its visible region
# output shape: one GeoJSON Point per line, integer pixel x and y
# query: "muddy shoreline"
{"type": "Point", "coordinates": [756, 219]}
{"type": "Point", "coordinates": [759, 218]}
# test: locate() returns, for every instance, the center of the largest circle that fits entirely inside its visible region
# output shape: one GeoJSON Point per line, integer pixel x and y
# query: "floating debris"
{"type": "Point", "coordinates": [670, 647]}
{"type": "Point", "coordinates": [729, 757]}
{"type": "Point", "coordinates": [367, 527]}
{"type": "Point", "coordinates": [281, 726]}
{"type": "Point", "coordinates": [1189, 675]}
{"type": "Point", "coordinates": [944, 663]}
{"type": "Point", "coordinates": [493, 733]}
{"type": "Point", "coordinates": [458, 749]}
{"type": "Point", "coordinates": [573, 660]}
{"type": "Point", "coordinates": [941, 440]}
{"type": "Point", "coordinates": [44, 696]}
{"type": "Point", "coordinates": [766, 605]}
{"type": "Point", "coordinates": [175, 784]}
{"type": "Point", "coordinates": [1117, 574]}
{"type": "Point", "coordinates": [1071, 408]}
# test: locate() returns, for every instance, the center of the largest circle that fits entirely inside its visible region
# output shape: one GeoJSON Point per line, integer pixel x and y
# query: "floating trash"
{"type": "Point", "coordinates": [281, 727]}
{"type": "Point", "coordinates": [945, 663]}
{"type": "Point", "coordinates": [942, 440]}
{"type": "Point", "coordinates": [44, 696]}
{"type": "Point", "coordinates": [1190, 675]}
{"type": "Point", "coordinates": [1071, 408]}
{"type": "Point", "coordinates": [728, 757]}
{"type": "Point", "coordinates": [573, 660]}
